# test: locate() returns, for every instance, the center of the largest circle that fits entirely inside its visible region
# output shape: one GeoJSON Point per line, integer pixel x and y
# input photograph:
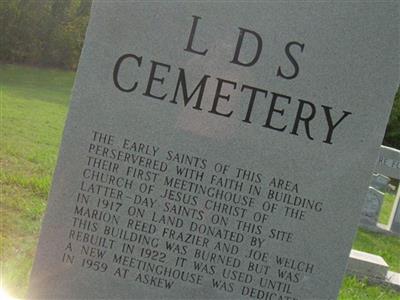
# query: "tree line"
{"type": "Point", "coordinates": [43, 32]}
{"type": "Point", "coordinates": [51, 33]}
{"type": "Point", "coordinates": [392, 135]}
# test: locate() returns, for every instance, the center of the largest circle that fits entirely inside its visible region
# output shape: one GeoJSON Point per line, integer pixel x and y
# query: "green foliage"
{"type": "Point", "coordinates": [44, 32]}
{"type": "Point", "coordinates": [392, 135]}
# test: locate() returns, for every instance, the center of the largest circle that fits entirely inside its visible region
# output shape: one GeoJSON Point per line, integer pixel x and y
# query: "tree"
{"type": "Point", "coordinates": [45, 32]}
{"type": "Point", "coordinates": [392, 135]}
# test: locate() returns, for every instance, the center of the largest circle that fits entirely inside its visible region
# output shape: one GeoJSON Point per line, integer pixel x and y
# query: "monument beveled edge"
{"type": "Point", "coordinates": [217, 150]}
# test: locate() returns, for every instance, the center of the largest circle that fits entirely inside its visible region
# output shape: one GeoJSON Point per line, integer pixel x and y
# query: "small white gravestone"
{"type": "Point", "coordinates": [366, 264]}
{"type": "Point", "coordinates": [217, 150]}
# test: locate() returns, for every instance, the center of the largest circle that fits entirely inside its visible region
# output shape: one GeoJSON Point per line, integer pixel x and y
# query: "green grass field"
{"type": "Point", "coordinates": [34, 103]}
{"type": "Point", "coordinates": [386, 208]}
{"type": "Point", "coordinates": [386, 246]}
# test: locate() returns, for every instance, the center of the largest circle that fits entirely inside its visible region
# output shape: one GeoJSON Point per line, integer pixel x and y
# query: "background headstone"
{"type": "Point", "coordinates": [372, 206]}
{"type": "Point", "coordinates": [366, 264]}
{"type": "Point", "coordinates": [380, 182]}
{"type": "Point", "coordinates": [394, 221]}
{"type": "Point", "coordinates": [388, 162]}
{"type": "Point", "coordinates": [388, 165]}
{"type": "Point", "coordinates": [207, 149]}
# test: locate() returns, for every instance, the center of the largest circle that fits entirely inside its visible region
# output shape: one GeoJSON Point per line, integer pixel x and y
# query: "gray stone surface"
{"type": "Point", "coordinates": [367, 264]}
{"type": "Point", "coordinates": [372, 206]}
{"type": "Point", "coordinates": [156, 196]}
{"type": "Point", "coordinates": [380, 182]}
{"type": "Point", "coordinates": [388, 162]}
{"type": "Point", "coordinates": [394, 221]}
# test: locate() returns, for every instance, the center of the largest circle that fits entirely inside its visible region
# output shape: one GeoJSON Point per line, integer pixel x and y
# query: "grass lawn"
{"type": "Point", "coordinates": [34, 104]}
{"type": "Point", "coordinates": [355, 289]}
{"type": "Point", "coordinates": [386, 208]}
{"type": "Point", "coordinates": [386, 246]}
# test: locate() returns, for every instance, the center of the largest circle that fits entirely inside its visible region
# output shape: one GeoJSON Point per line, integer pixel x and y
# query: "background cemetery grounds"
{"type": "Point", "coordinates": [34, 103]}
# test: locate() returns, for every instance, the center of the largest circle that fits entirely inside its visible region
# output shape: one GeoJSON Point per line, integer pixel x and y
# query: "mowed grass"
{"type": "Point", "coordinates": [34, 104]}
{"type": "Point", "coordinates": [355, 289]}
{"type": "Point", "coordinates": [386, 208]}
{"type": "Point", "coordinates": [386, 246]}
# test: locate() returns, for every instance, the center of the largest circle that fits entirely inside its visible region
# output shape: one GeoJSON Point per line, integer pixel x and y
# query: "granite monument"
{"type": "Point", "coordinates": [217, 150]}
